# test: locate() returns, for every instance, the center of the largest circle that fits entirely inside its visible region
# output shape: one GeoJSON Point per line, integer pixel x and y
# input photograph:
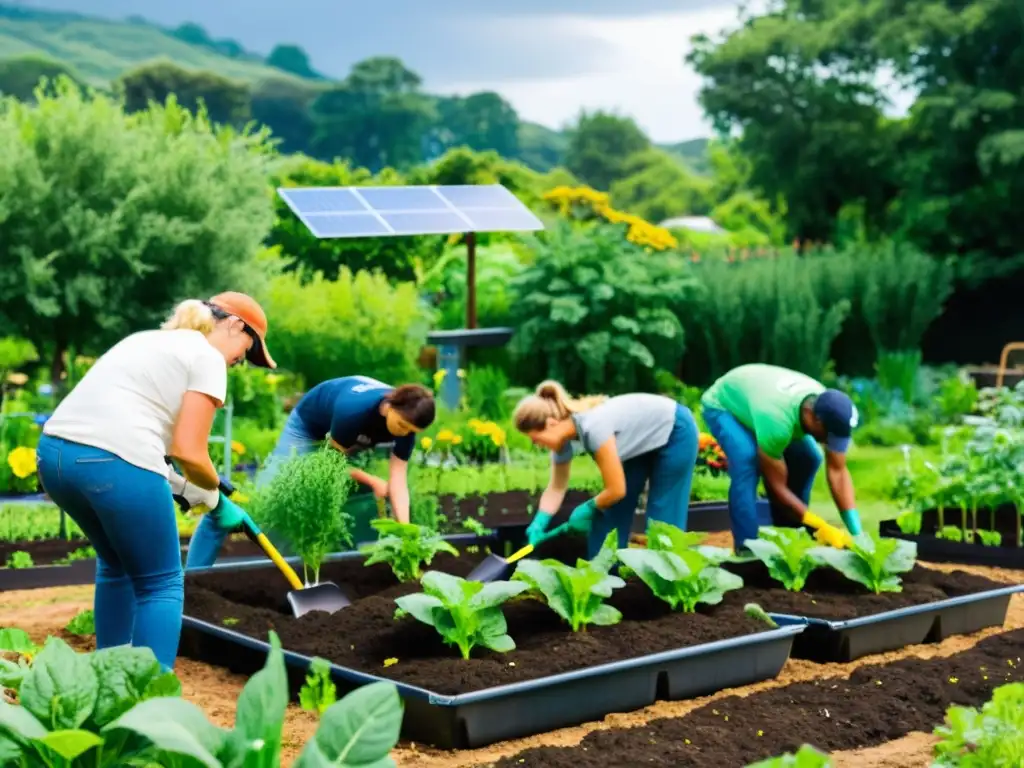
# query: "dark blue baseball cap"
{"type": "Point", "coordinates": [837, 412]}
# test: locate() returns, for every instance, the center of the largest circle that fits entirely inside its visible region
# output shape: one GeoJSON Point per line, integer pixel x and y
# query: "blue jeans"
{"type": "Point", "coordinates": [802, 457]}
{"type": "Point", "coordinates": [670, 471]}
{"type": "Point", "coordinates": [127, 513]}
{"type": "Point", "coordinates": [208, 538]}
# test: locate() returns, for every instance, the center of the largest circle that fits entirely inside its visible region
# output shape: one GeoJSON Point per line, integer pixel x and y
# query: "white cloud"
{"type": "Point", "coordinates": [645, 75]}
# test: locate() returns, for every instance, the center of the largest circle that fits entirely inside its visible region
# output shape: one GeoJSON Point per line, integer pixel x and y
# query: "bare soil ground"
{"type": "Point", "coordinates": [46, 611]}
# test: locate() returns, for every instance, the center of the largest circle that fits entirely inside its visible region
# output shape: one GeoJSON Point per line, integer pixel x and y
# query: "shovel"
{"type": "Point", "coordinates": [495, 567]}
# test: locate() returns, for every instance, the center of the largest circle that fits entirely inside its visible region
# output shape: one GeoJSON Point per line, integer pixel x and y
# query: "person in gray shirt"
{"type": "Point", "coordinates": [633, 438]}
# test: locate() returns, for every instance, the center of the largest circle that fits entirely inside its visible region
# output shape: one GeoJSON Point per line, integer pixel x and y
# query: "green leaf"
{"type": "Point", "coordinates": [70, 744]}
{"type": "Point", "coordinates": [125, 676]}
{"type": "Point", "coordinates": [10, 750]}
{"type": "Point", "coordinates": [20, 723]}
{"type": "Point", "coordinates": [681, 578]}
{"type": "Point", "coordinates": [13, 639]}
{"type": "Point", "coordinates": [872, 561]}
{"type": "Point", "coordinates": [357, 732]}
{"type": "Point", "coordinates": [420, 606]}
{"type": "Point", "coordinates": [12, 673]}
{"type": "Point", "coordinates": [261, 707]}
{"type": "Point", "coordinates": [496, 593]}
{"type": "Point", "coordinates": [176, 726]}
{"type": "Point", "coordinates": [786, 552]}
{"type": "Point", "coordinates": [60, 687]}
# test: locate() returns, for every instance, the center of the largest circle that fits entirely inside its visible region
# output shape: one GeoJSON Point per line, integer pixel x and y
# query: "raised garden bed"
{"type": "Point", "coordinates": [878, 703]}
{"type": "Point", "coordinates": [936, 550]}
{"type": "Point", "coordinates": [554, 677]}
{"type": "Point", "coordinates": [846, 621]}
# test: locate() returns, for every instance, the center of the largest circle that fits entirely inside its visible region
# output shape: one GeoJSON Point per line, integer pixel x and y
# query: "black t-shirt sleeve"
{"type": "Point", "coordinates": [403, 446]}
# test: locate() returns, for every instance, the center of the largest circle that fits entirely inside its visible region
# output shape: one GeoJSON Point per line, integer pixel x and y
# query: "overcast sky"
{"type": "Point", "coordinates": [550, 58]}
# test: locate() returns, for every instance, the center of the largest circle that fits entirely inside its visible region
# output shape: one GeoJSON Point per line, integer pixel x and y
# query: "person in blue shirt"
{"type": "Point", "coordinates": [353, 413]}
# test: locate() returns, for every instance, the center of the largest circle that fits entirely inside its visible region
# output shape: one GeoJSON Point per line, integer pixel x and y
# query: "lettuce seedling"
{"type": "Point", "coordinates": [665, 537]}
{"type": "Point", "coordinates": [406, 547]}
{"type": "Point", "coordinates": [805, 757]}
{"type": "Point", "coordinates": [576, 594]}
{"type": "Point", "coordinates": [993, 736]}
{"type": "Point", "coordinates": [871, 560]}
{"type": "Point", "coordinates": [786, 554]}
{"type": "Point", "coordinates": [318, 692]}
{"type": "Point", "coordinates": [465, 613]}
{"type": "Point", "coordinates": [682, 579]}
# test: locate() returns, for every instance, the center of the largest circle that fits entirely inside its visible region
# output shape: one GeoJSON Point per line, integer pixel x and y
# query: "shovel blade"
{"type": "Point", "coordinates": [326, 596]}
{"type": "Point", "coordinates": [491, 568]}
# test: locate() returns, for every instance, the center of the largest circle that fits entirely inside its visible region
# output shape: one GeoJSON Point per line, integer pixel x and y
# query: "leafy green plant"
{"type": "Point", "coordinates": [84, 623]}
{"type": "Point", "coordinates": [318, 693]}
{"type": "Point", "coordinates": [909, 522]}
{"type": "Point", "coordinates": [304, 503]}
{"type": "Point", "coordinates": [993, 736]}
{"type": "Point", "coordinates": [680, 575]}
{"type": "Point", "coordinates": [425, 510]}
{"type": "Point", "coordinates": [786, 554]}
{"type": "Point", "coordinates": [474, 526]}
{"type": "Point", "coordinates": [577, 594]}
{"type": "Point", "coordinates": [82, 553]}
{"type": "Point", "coordinates": [465, 613]}
{"type": "Point", "coordinates": [990, 538]}
{"type": "Point", "coordinates": [406, 547]}
{"type": "Point", "coordinates": [871, 560]}
{"type": "Point", "coordinates": [20, 559]}
{"type": "Point", "coordinates": [950, 533]}
{"type": "Point", "coordinates": [805, 757]}
{"type": "Point", "coordinates": [116, 708]}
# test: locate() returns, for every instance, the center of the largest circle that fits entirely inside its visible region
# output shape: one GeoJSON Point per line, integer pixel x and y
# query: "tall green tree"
{"type": "Point", "coordinates": [292, 58]}
{"type": "Point", "coordinates": [480, 121]}
{"type": "Point", "coordinates": [227, 101]}
{"type": "Point", "coordinates": [599, 145]}
{"type": "Point", "coordinates": [21, 75]}
{"type": "Point", "coordinates": [657, 186]}
{"type": "Point", "coordinates": [108, 219]}
{"type": "Point", "coordinates": [377, 117]}
{"type": "Point", "coordinates": [283, 105]}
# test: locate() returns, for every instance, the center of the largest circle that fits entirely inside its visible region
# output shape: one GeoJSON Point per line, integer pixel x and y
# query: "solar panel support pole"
{"type": "Point", "coordinates": [471, 280]}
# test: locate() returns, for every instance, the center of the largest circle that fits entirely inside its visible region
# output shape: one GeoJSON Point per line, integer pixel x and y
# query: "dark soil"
{"type": "Point", "coordinates": [366, 634]}
{"type": "Point", "coordinates": [830, 595]}
{"type": "Point", "coordinates": [878, 703]}
{"type": "Point", "coordinates": [48, 551]}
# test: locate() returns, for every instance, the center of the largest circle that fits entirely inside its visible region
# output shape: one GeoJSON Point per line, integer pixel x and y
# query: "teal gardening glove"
{"type": "Point", "coordinates": [535, 531]}
{"type": "Point", "coordinates": [852, 521]}
{"type": "Point", "coordinates": [227, 515]}
{"type": "Point", "coordinates": [582, 518]}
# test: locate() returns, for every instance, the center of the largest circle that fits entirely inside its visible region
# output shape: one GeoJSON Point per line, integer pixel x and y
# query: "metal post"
{"type": "Point", "coordinates": [448, 360]}
{"type": "Point", "coordinates": [471, 280]}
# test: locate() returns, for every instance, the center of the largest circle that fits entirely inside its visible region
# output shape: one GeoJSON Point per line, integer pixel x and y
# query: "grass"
{"type": "Point", "coordinates": [100, 51]}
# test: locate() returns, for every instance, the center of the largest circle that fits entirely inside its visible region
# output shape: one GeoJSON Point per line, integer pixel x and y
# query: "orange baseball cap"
{"type": "Point", "coordinates": [251, 313]}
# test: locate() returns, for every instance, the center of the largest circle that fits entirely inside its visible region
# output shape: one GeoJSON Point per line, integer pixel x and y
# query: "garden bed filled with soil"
{"type": "Point", "coordinates": [56, 551]}
{"type": "Point", "coordinates": [941, 550]}
{"type": "Point", "coordinates": [878, 703]}
{"type": "Point", "coordinates": [365, 635]}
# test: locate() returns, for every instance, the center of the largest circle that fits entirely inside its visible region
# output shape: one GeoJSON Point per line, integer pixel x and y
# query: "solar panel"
{"type": "Point", "coordinates": [331, 212]}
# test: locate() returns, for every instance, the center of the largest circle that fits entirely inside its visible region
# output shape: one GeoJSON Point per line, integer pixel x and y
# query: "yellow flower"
{"type": "Point", "coordinates": [22, 461]}
{"type": "Point", "coordinates": [426, 443]}
{"type": "Point", "coordinates": [457, 439]}
{"type": "Point", "coordinates": [475, 425]}
{"type": "Point", "coordinates": [439, 375]}
{"type": "Point", "coordinates": [498, 436]}
{"type": "Point", "coordinates": [237, 447]}
{"type": "Point", "coordinates": [445, 436]}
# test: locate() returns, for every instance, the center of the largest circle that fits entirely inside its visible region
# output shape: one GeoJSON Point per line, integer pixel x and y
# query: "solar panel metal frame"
{"type": "Point", "coordinates": [463, 213]}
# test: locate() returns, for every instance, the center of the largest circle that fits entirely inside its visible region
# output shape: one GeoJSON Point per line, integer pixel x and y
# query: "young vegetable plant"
{"type": "Point", "coordinates": [872, 561]}
{"type": "Point", "coordinates": [116, 708]}
{"type": "Point", "coordinates": [304, 503]}
{"type": "Point", "coordinates": [805, 757]}
{"type": "Point", "coordinates": [318, 693]}
{"type": "Point", "coordinates": [680, 575]}
{"type": "Point", "coordinates": [786, 552]}
{"type": "Point", "coordinates": [465, 613]}
{"type": "Point", "coordinates": [994, 736]}
{"type": "Point", "coordinates": [577, 594]}
{"type": "Point", "coordinates": [406, 547]}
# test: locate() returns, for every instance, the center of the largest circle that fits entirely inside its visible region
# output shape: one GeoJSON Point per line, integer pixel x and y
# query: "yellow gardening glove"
{"type": "Point", "coordinates": [825, 533]}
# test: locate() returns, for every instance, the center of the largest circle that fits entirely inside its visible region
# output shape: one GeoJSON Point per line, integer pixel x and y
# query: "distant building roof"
{"type": "Point", "coordinates": [695, 223]}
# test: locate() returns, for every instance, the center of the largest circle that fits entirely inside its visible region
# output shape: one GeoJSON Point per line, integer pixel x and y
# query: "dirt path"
{"type": "Point", "coordinates": [47, 611]}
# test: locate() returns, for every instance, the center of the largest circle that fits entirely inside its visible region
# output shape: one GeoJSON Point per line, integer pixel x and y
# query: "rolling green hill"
{"type": "Point", "coordinates": [99, 51]}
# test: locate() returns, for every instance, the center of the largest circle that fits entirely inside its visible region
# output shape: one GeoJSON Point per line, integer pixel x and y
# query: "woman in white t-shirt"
{"type": "Point", "coordinates": [102, 459]}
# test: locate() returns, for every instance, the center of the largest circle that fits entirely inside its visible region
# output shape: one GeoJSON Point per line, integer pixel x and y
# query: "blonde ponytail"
{"type": "Point", "coordinates": [191, 315]}
{"type": "Point", "coordinates": [551, 401]}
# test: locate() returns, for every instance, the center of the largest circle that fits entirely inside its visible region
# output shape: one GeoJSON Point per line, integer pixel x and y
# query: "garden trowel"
{"type": "Point", "coordinates": [495, 567]}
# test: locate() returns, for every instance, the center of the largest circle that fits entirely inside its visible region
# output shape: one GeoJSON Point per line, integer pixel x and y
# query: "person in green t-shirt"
{"type": "Point", "coordinates": [768, 421]}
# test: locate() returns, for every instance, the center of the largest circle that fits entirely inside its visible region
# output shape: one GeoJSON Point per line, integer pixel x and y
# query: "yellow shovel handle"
{"type": "Point", "coordinates": [520, 554]}
{"type": "Point", "coordinates": [279, 561]}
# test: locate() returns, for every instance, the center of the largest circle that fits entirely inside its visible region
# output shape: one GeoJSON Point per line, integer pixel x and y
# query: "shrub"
{"type": "Point", "coordinates": [304, 505]}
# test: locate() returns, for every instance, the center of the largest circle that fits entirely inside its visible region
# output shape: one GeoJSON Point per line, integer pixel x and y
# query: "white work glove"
{"type": "Point", "coordinates": [192, 493]}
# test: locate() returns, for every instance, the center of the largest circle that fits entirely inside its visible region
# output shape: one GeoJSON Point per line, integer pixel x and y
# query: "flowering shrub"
{"type": "Point", "coordinates": [18, 470]}
{"type": "Point", "coordinates": [710, 454]}
{"type": "Point", "coordinates": [484, 442]}
{"type": "Point", "coordinates": [585, 203]}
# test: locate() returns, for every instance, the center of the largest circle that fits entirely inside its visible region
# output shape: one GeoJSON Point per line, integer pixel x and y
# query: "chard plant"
{"type": "Point", "coordinates": [993, 736]}
{"type": "Point", "coordinates": [116, 708]}
{"type": "Point", "coordinates": [678, 571]}
{"type": "Point", "coordinates": [304, 505]}
{"type": "Point", "coordinates": [577, 594]}
{"type": "Point", "coordinates": [786, 553]}
{"type": "Point", "coordinates": [406, 547]}
{"type": "Point", "coordinates": [465, 613]}
{"type": "Point", "coordinates": [871, 560]}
